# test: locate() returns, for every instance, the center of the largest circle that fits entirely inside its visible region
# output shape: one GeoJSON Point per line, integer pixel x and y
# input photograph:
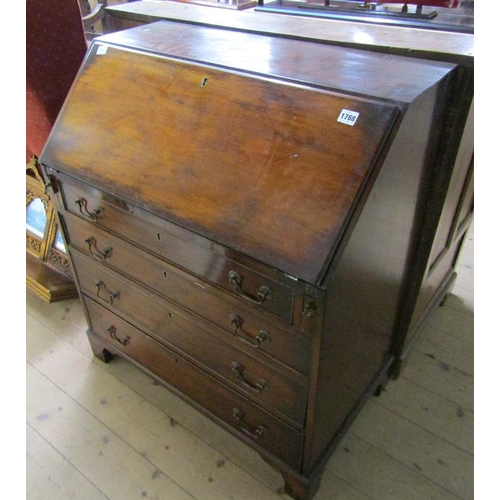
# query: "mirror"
{"type": "Point", "coordinates": [36, 218]}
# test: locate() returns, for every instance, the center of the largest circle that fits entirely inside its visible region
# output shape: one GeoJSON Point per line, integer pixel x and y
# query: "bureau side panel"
{"type": "Point", "coordinates": [455, 219]}
{"type": "Point", "coordinates": [448, 214]}
{"type": "Point", "coordinates": [365, 289]}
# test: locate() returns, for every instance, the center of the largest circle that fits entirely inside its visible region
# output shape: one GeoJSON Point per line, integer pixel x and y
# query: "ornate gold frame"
{"type": "Point", "coordinates": [48, 270]}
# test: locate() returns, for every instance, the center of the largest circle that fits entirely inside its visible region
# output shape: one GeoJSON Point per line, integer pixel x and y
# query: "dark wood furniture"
{"type": "Point", "coordinates": [244, 229]}
{"type": "Point", "coordinates": [440, 15]}
{"type": "Point", "coordinates": [450, 209]}
{"type": "Point", "coordinates": [428, 44]}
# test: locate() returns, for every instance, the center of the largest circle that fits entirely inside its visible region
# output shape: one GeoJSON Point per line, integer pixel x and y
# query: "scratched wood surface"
{"type": "Point", "coordinates": [216, 121]}
{"type": "Point", "coordinates": [97, 431]}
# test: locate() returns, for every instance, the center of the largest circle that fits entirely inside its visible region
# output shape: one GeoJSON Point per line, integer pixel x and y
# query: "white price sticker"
{"type": "Point", "coordinates": [348, 117]}
{"type": "Point", "coordinates": [101, 50]}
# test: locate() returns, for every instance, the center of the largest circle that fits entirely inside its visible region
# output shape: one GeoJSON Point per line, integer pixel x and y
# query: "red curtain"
{"type": "Point", "coordinates": [55, 48]}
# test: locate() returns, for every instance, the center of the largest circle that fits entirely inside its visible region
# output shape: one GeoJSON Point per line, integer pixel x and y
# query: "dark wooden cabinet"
{"type": "Point", "coordinates": [447, 216]}
{"type": "Point", "coordinates": [449, 210]}
{"type": "Point", "coordinates": [243, 228]}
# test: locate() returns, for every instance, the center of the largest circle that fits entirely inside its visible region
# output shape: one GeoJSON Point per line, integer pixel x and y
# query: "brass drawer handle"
{"type": "Point", "coordinates": [238, 369]}
{"type": "Point", "coordinates": [82, 206]}
{"type": "Point", "coordinates": [236, 321]}
{"type": "Point", "coordinates": [262, 294]}
{"type": "Point", "coordinates": [113, 294]}
{"type": "Point", "coordinates": [254, 434]}
{"type": "Point", "coordinates": [101, 255]}
{"type": "Point", "coordinates": [112, 333]}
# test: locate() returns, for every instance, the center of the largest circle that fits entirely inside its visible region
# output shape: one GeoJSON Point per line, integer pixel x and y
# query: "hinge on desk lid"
{"type": "Point", "coordinates": [310, 307]}
{"type": "Point", "coordinates": [52, 183]}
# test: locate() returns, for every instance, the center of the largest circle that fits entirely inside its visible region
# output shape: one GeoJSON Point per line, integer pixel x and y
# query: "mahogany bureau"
{"type": "Point", "coordinates": [242, 214]}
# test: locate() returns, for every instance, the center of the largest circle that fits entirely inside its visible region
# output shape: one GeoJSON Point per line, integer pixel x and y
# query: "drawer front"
{"type": "Point", "coordinates": [280, 389]}
{"type": "Point", "coordinates": [222, 309]}
{"type": "Point", "coordinates": [251, 422]}
{"type": "Point", "coordinates": [177, 245]}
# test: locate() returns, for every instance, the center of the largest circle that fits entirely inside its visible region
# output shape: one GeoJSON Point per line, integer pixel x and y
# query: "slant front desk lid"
{"type": "Point", "coordinates": [261, 144]}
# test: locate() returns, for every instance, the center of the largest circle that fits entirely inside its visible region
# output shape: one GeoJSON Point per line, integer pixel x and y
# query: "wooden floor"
{"type": "Point", "coordinates": [97, 431]}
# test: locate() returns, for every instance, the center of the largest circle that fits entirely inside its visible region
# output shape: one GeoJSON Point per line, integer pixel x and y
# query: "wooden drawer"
{"type": "Point", "coordinates": [277, 387]}
{"type": "Point", "coordinates": [289, 346]}
{"type": "Point", "coordinates": [253, 423]}
{"type": "Point", "coordinates": [184, 248]}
